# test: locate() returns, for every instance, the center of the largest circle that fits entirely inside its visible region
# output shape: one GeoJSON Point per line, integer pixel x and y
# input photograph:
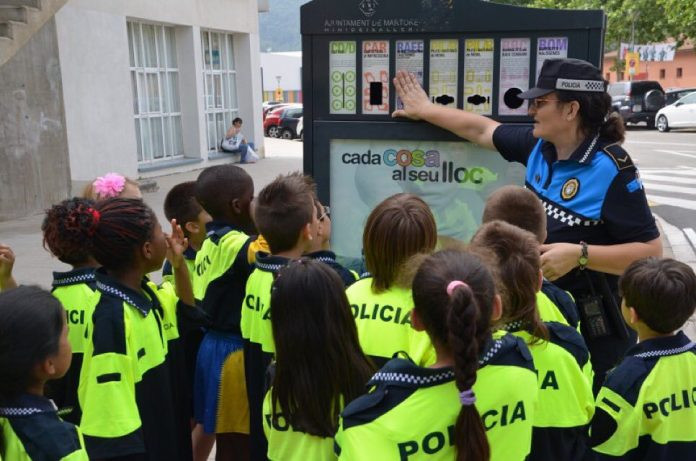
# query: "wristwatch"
{"type": "Point", "coordinates": [584, 258]}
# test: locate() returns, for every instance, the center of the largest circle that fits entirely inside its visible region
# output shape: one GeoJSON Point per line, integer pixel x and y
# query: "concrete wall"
{"type": "Point", "coordinates": [35, 171]}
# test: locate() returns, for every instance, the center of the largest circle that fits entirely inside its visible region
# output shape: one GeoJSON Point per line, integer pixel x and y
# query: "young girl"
{"type": "Point", "coordinates": [313, 330]}
{"type": "Point", "coordinates": [474, 403]}
{"type": "Point", "coordinates": [112, 185]}
{"type": "Point", "coordinates": [398, 228]}
{"type": "Point", "coordinates": [34, 348]}
{"type": "Point", "coordinates": [75, 289]}
{"type": "Point", "coordinates": [566, 402]}
{"type": "Point", "coordinates": [126, 391]}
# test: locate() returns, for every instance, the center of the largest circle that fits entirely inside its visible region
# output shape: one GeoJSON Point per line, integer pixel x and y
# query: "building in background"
{"type": "Point", "coordinates": [678, 73]}
{"type": "Point", "coordinates": [142, 88]}
{"type": "Point", "coordinates": [282, 76]}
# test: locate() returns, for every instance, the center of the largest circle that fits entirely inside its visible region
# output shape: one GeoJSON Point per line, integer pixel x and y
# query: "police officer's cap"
{"type": "Point", "coordinates": [567, 75]}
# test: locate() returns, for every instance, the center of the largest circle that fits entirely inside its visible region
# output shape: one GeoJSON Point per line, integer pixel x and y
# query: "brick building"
{"type": "Point", "coordinates": [680, 73]}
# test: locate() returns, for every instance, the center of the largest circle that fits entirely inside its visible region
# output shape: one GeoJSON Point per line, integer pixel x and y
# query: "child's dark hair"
{"type": "Point", "coordinates": [398, 228]}
{"type": "Point", "coordinates": [283, 208]}
{"type": "Point", "coordinates": [62, 234]}
{"type": "Point", "coordinates": [517, 206]}
{"type": "Point", "coordinates": [662, 291]}
{"type": "Point", "coordinates": [180, 204]}
{"type": "Point", "coordinates": [217, 186]}
{"type": "Point", "coordinates": [113, 229]}
{"type": "Point", "coordinates": [314, 329]}
{"type": "Point", "coordinates": [31, 323]}
{"type": "Point", "coordinates": [460, 322]}
{"type": "Point", "coordinates": [517, 272]}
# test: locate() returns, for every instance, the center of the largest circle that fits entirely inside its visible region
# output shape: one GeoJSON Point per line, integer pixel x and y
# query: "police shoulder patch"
{"type": "Point", "coordinates": [619, 155]}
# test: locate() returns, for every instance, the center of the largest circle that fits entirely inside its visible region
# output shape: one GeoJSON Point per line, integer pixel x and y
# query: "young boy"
{"type": "Point", "coordinates": [222, 268]}
{"type": "Point", "coordinates": [646, 409]}
{"type": "Point", "coordinates": [521, 207]}
{"type": "Point", "coordinates": [180, 204]}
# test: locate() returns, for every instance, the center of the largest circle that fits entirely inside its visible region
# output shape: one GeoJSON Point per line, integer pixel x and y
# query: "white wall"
{"type": "Point", "coordinates": [287, 65]}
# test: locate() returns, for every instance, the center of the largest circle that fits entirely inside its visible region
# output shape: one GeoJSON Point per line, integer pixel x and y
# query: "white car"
{"type": "Point", "coordinates": [681, 114]}
{"type": "Point", "coordinates": [300, 129]}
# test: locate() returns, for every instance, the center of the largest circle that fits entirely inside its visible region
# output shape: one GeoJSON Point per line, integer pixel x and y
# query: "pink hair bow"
{"type": "Point", "coordinates": [109, 185]}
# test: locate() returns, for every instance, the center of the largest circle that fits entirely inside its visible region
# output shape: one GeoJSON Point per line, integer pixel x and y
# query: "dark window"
{"type": "Point", "coordinates": [607, 76]}
{"type": "Point", "coordinates": [662, 74]}
{"type": "Point", "coordinates": [679, 72]}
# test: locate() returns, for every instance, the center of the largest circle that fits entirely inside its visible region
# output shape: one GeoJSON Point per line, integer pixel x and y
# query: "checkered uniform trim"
{"type": "Point", "coordinates": [325, 259]}
{"type": "Point", "coordinates": [119, 294]}
{"type": "Point", "coordinates": [443, 377]}
{"type": "Point", "coordinates": [84, 278]}
{"type": "Point", "coordinates": [490, 353]}
{"type": "Point", "coordinates": [269, 267]}
{"type": "Point", "coordinates": [26, 411]}
{"type": "Point", "coordinates": [552, 211]}
{"type": "Point", "coordinates": [590, 149]}
{"type": "Point", "coordinates": [517, 325]}
{"type": "Point", "coordinates": [666, 352]}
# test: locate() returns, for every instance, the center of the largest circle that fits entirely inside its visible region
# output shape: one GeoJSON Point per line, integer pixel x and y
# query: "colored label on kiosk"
{"type": "Point", "coordinates": [550, 47]}
{"type": "Point", "coordinates": [409, 58]}
{"type": "Point", "coordinates": [514, 75]}
{"type": "Point", "coordinates": [342, 77]}
{"type": "Point", "coordinates": [454, 178]}
{"type": "Point", "coordinates": [444, 71]}
{"type": "Point", "coordinates": [478, 75]}
{"type": "Point", "coordinates": [375, 71]}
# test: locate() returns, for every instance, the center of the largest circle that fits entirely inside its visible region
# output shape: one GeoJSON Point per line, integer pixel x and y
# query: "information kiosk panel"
{"type": "Point", "coordinates": [467, 54]}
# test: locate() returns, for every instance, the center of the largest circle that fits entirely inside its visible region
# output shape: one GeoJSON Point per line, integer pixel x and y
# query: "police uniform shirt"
{"type": "Point", "coordinates": [125, 386]}
{"type": "Point", "coordinates": [348, 277]}
{"type": "Point", "coordinates": [221, 272]}
{"type": "Point", "coordinates": [556, 305]}
{"type": "Point", "coordinates": [595, 196]}
{"type": "Point", "coordinates": [646, 409]}
{"type": "Point", "coordinates": [383, 321]}
{"type": "Point", "coordinates": [410, 412]}
{"type": "Point", "coordinates": [189, 260]}
{"type": "Point", "coordinates": [30, 430]}
{"type": "Point", "coordinates": [76, 292]}
{"type": "Point", "coordinates": [287, 443]}
{"type": "Point", "coordinates": [566, 402]}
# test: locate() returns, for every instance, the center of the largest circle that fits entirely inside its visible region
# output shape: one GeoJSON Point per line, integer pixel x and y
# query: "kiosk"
{"type": "Point", "coordinates": [468, 54]}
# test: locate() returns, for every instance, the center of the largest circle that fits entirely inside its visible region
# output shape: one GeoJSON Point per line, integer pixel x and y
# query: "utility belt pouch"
{"type": "Point", "coordinates": [600, 313]}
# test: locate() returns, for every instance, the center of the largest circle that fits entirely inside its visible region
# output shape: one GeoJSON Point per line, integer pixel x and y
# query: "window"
{"type": "Point", "coordinates": [679, 72]}
{"type": "Point", "coordinates": [621, 75]}
{"type": "Point", "coordinates": [607, 76]}
{"type": "Point", "coordinates": [690, 99]}
{"type": "Point", "coordinates": [220, 88]}
{"type": "Point", "coordinates": [662, 74]}
{"type": "Point", "coordinates": [155, 84]}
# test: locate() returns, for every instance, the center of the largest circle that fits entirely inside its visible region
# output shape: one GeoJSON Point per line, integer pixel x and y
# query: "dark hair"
{"type": "Point", "coordinates": [180, 204]}
{"type": "Point", "coordinates": [314, 329]}
{"type": "Point", "coordinates": [31, 323]}
{"type": "Point", "coordinates": [236, 119]}
{"type": "Point", "coordinates": [662, 291]}
{"type": "Point", "coordinates": [596, 114]}
{"type": "Point", "coordinates": [283, 208]}
{"type": "Point", "coordinates": [518, 206]}
{"type": "Point", "coordinates": [460, 322]}
{"type": "Point", "coordinates": [398, 228]}
{"type": "Point", "coordinates": [517, 272]}
{"type": "Point", "coordinates": [112, 230]}
{"type": "Point", "coordinates": [217, 186]}
{"type": "Point", "coordinates": [62, 234]}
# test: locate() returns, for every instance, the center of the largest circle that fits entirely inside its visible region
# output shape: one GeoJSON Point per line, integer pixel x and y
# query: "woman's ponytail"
{"type": "Point", "coordinates": [469, 433]}
{"type": "Point", "coordinates": [613, 128]}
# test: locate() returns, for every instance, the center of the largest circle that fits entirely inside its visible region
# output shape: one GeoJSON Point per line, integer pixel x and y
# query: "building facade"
{"type": "Point", "coordinates": [282, 70]}
{"type": "Point", "coordinates": [679, 73]}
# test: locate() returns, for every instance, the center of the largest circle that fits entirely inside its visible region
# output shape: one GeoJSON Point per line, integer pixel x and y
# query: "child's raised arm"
{"type": "Point", "coordinates": [176, 245]}
{"type": "Point", "coordinates": [7, 259]}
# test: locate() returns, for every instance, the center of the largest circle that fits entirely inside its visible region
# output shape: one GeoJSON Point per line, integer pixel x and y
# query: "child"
{"type": "Point", "coordinates": [112, 185]}
{"type": "Point", "coordinates": [522, 208]}
{"type": "Point", "coordinates": [222, 269]}
{"type": "Point", "coordinates": [126, 389]}
{"type": "Point", "coordinates": [75, 289]}
{"type": "Point", "coordinates": [398, 228]}
{"type": "Point", "coordinates": [286, 215]}
{"type": "Point", "coordinates": [7, 259]}
{"type": "Point", "coordinates": [313, 330]}
{"type": "Point", "coordinates": [34, 348]}
{"type": "Point", "coordinates": [561, 358]}
{"type": "Point", "coordinates": [646, 409]}
{"type": "Point", "coordinates": [474, 403]}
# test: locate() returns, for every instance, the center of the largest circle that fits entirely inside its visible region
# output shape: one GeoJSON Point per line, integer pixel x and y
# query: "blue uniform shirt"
{"type": "Point", "coordinates": [594, 196]}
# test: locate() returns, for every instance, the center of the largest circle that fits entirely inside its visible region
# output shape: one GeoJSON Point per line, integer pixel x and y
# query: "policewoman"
{"type": "Point", "coordinates": [598, 220]}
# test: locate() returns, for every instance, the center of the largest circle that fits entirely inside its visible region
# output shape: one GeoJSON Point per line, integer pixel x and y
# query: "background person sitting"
{"type": "Point", "coordinates": [235, 142]}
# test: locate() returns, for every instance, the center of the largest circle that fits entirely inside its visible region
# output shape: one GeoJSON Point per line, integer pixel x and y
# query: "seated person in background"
{"type": "Point", "coordinates": [235, 142]}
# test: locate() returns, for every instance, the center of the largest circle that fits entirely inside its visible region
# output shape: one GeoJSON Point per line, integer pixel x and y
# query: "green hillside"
{"type": "Point", "coordinates": [280, 27]}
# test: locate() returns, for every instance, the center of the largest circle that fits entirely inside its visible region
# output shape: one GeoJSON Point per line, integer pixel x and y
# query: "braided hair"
{"type": "Point", "coordinates": [62, 230]}
{"type": "Point", "coordinates": [460, 322]}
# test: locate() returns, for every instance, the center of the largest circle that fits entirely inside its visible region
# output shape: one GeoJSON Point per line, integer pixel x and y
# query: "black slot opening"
{"type": "Point", "coordinates": [375, 93]}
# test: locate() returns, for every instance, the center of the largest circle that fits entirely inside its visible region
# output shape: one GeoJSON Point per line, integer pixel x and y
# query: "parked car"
{"type": "Point", "coordinates": [282, 122]}
{"type": "Point", "coordinates": [637, 100]}
{"type": "Point", "coordinates": [272, 105]}
{"type": "Point", "coordinates": [300, 129]}
{"type": "Point", "coordinates": [674, 94]}
{"type": "Point", "coordinates": [681, 114]}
